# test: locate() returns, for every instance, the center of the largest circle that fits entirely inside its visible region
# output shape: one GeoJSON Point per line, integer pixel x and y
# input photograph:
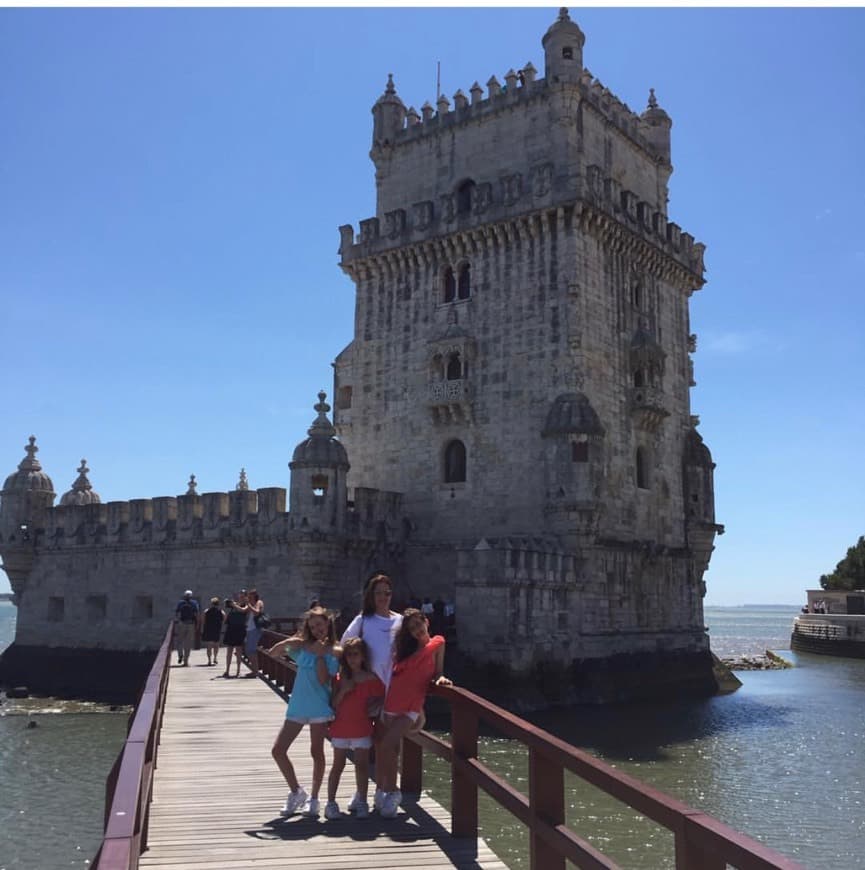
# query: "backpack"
{"type": "Point", "coordinates": [186, 611]}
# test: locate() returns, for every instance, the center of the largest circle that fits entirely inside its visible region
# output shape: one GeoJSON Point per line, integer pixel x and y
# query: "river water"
{"type": "Point", "coordinates": [782, 759]}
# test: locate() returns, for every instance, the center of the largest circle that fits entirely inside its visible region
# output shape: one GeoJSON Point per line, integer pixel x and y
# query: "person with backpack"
{"type": "Point", "coordinates": [186, 621]}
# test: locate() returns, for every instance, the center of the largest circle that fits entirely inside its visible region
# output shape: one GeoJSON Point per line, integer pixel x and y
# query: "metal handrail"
{"type": "Point", "coordinates": [129, 784]}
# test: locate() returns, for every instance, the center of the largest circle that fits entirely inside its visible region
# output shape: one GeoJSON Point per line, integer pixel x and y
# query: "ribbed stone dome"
{"type": "Point", "coordinates": [82, 491]}
{"type": "Point", "coordinates": [564, 27]}
{"type": "Point", "coordinates": [572, 413]}
{"type": "Point", "coordinates": [322, 447]}
{"type": "Point", "coordinates": [29, 477]}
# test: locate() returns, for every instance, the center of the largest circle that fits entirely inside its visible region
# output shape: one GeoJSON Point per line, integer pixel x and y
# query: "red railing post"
{"type": "Point", "coordinates": [547, 804]}
{"type": "Point", "coordinates": [411, 767]}
{"type": "Point", "coordinates": [464, 790]}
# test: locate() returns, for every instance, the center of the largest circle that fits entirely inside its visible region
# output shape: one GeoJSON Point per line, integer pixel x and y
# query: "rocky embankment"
{"type": "Point", "coordinates": [769, 661]}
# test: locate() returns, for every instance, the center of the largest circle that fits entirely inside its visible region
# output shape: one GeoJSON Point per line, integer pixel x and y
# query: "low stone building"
{"type": "Point", "coordinates": [511, 429]}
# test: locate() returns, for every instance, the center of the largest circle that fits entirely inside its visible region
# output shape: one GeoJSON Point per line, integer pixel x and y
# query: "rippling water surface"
{"type": "Point", "coordinates": [782, 759]}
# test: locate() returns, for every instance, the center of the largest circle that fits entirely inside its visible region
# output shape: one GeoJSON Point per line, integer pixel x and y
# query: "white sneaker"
{"type": "Point", "coordinates": [354, 802]}
{"type": "Point", "coordinates": [311, 811]}
{"type": "Point", "coordinates": [390, 805]}
{"type": "Point", "coordinates": [331, 810]}
{"type": "Point", "coordinates": [293, 802]}
{"type": "Point", "coordinates": [361, 810]}
{"type": "Point", "coordinates": [378, 800]}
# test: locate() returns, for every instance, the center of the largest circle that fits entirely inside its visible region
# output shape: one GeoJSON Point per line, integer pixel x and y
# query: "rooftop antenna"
{"type": "Point", "coordinates": [438, 79]}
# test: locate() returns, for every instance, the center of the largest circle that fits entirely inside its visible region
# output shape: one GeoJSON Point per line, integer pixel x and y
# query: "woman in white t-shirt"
{"type": "Point", "coordinates": [377, 624]}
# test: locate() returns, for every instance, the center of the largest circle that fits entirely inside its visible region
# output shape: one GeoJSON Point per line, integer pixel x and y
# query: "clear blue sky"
{"type": "Point", "coordinates": [172, 180]}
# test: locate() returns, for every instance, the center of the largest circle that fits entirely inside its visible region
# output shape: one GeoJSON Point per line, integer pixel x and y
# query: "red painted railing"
{"type": "Point", "coordinates": [128, 787]}
{"type": "Point", "coordinates": [701, 841]}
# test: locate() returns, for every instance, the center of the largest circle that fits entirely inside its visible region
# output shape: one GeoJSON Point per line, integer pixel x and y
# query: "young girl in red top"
{"type": "Point", "coordinates": [352, 728]}
{"type": "Point", "coordinates": [419, 662]}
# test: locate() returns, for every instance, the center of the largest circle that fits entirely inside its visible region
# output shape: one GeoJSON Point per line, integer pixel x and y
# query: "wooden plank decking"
{"type": "Point", "coordinates": [217, 793]}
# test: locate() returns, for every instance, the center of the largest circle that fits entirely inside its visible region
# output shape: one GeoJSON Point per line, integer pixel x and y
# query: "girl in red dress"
{"type": "Point", "coordinates": [419, 663]}
{"type": "Point", "coordinates": [352, 728]}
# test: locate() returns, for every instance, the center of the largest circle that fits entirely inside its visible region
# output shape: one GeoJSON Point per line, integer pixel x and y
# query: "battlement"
{"type": "Point", "coordinates": [520, 87]}
{"type": "Point", "coordinates": [515, 196]}
{"type": "Point", "coordinates": [237, 516]}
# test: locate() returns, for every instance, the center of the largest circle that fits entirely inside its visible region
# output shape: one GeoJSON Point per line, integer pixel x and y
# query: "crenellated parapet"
{"type": "Point", "coordinates": [250, 516]}
{"type": "Point", "coordinates": [430, 233]}
{"type": "Point", "coordinates": [518, 89]}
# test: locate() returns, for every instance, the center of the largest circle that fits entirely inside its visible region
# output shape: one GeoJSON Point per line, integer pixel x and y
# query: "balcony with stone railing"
{"type": "Point", "coordinates": [449, 401]}
{"type": "Point", "coordinates": [648, 407]}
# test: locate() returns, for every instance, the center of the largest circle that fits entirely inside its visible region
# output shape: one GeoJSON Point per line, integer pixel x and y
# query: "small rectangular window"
{"type": "Point", "coordinates": [142, 607]}
{"type": "Point", "coordinates": [579, 451]}
{"type": "Point", "coordinates": [343, 398]}
{"type": "Point", "coordinates": [56, 608]}
{"type": "Point", "coordinates": [96, 607]}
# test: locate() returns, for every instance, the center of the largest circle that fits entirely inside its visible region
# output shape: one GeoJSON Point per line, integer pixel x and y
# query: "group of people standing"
{"type": "Point", "coordinates": [366, 691]}
{"type": "Point", "coordinates": [235, 623]}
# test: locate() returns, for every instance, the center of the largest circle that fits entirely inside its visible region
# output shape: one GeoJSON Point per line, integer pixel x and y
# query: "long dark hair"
{"type": "Point", "coordinates": [405, 643]}
{"type": "Point", "coordinates": [368, 606]}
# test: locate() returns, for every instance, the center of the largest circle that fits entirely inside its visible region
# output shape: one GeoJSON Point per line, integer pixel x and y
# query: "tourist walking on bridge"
{"type": "Point", "coordinates": [254, 612]}
{"type": "Point", "coordinates": [211, 633]}
{"type": "Point", "coordinates": [313, 649]}
{"type": "Point", "coordinates": [186, 622]}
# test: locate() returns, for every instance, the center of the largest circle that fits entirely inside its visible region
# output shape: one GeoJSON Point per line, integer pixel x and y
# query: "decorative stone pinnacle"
{"type": "Point", "coordinates": [30, 462]}
{"type": "Point", "coordinates": [390, 89]}
{"type": "Point", "coordinates": [653, 102]}
{"type": "Point", "coordinates": [564, 15]}
{"type": "Point", "coordinates": [81, 482]}
{"type": "Point", "coordinates": [243, 483]}
{"type": "Point", "coordinates": [321, 426]}
{"type": "Point", "coordinates": [192, 485]}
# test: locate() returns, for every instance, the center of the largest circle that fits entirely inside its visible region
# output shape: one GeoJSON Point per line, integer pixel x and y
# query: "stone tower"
{"type": "Point", "coordinates": [520, 368]}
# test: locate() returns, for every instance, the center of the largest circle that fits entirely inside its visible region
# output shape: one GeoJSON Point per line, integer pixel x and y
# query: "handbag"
{"type": "Point", "coordinates": [262, 620]}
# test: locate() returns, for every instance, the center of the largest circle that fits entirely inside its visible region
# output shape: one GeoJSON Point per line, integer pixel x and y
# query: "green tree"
{"type": "Point", "coordinates": [849, 573]}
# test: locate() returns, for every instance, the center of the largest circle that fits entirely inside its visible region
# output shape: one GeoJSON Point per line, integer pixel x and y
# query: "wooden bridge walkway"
{"type": "Point", "coordinates": [217, 793]}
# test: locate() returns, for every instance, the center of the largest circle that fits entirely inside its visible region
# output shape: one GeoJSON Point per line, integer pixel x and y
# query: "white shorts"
{"type": "Point", "coordinates": [389, 717]}
{"type": "Point", "coordinates": [307, 720]}
{"type": "Point", "coordinates": [351, 742]}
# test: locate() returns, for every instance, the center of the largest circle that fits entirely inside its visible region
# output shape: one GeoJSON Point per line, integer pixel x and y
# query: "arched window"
{"type": "Point", "coordinates": [455, 462]}
{"type": "Point", "coordinates": [636, 294]}
{"type": "Point", "coordinates": [455, 369]}
{"type": "Point", "coordinates": [464, 197]}
{"type": "Point", "coordinates": [639, 380]}
{"type": "Point", "coordinates": [568, 53]}
{"type": "Point", "coordinates": [464, 285]}
{"type": "Point", "coordinates": [642, 468]}
{"type": "Point", "coordinates": [450, 285]}
{"type": "Point", "coordinates": [319, 485]}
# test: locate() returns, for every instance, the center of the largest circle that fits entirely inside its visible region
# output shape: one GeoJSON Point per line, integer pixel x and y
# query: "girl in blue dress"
{"type": "Point", "coordinates": [313, 650]}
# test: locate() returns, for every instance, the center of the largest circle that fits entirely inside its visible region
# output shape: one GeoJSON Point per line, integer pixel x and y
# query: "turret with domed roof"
{"type": "Point", "coordinates": [27, 495]}
{"type": "Point", "coordinates": [318, 494]}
